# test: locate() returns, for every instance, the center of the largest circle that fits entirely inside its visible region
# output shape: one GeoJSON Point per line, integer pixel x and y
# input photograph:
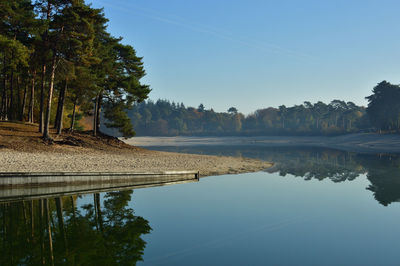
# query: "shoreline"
{"type": "Point", "coordinates": [86, 160]}
{"type": "Point", "coordinates": [23, 150]}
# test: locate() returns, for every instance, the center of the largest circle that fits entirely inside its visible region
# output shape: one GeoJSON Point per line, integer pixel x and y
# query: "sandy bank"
{"type": "Point", "coordinates": [137, 161]}
{"type": "Point", "coordinates": [363, 142]}
{"type": "Point", "coordinates": [23, 150]}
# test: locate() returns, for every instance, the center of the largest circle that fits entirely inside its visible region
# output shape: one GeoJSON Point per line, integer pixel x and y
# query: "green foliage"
{"type": "Point", "coordinates": [118, 118]}
{"type": "Point", "coordinates": [88, 62]}
{"type": "Point", "coordinates": [78, 117]}
{"type": "Point", "coordinates": [384, 106]}
{"type": "Point", "coordinates": [233, 110]}
{"type": "Point", "coordinates": [166, 118]}
{"type": "Point", "coordinates": [14, 52]}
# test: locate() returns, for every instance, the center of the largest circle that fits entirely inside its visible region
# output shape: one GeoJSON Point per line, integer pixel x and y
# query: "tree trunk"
{"type": "Point", "coordinates": [32, 221]}
{"type": "Point", "coordinates": [11, 231]}
{"type": "Point", "coordinates": [73, 204]}
{"type": "Point", "coordinates": [71, 128]}
{"type": "Point", "coordinates": [26, 221]}
{"type": "Point", "coordinates": [46, 134]}
{"type": "Point", "coordinates": [99, 214]}
{"type": "Point", "coordinates": [95, 117]}
{"type": "Point", "coordinates": [96, 126]}
{"type": "Point", "coordinates": [100, 100]}
{"type": "Point", "coordinates": [32, 99]}
{"type": "Point", "coordinates": [24, 213]}
{"type": "Point", "coordinates": [43, 260]}
{"type": "Point", "coordinates": [45, 44]}
{"type": "Point", "coordinates": [60, 109]}
{"type": "Point", "coordinates": [18, 99]}
{"type": "Point", "coordinates": [4, 227]}
{"type": "Point", "coordinates": [96, 216]}
{"type": "Point", "coordinates": [47, 213]}
{"type": "Point", "coordinates": [23, 104]}
{"type": "Point", "coordinates": [11, 106]}
{"type": "Point", "coordinates": [4, 110]}
{"type": "Point", "coordinates": [61, 226]}
{"type": "Point", "coordinates": [41, 111]}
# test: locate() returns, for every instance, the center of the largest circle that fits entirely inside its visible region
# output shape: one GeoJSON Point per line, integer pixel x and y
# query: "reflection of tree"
{"type": "Point", "coordinates": [120, 228]}
{"type": "Point", "coordinates": [54, 231]}
{"type": "Point", "coordinates": [318, 163]}
{"type": "Point", "coordinates": [310, 163]}
{"type": "Point", "coordinates": [384, 175]}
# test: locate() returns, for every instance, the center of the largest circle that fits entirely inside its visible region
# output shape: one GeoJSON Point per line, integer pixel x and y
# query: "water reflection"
{"type": "Point", "coordinates": [103, 229]}
{"type": "Point", "coordinates": [382, 170]}
{"type": "Point", "coordinates": [55, 231]}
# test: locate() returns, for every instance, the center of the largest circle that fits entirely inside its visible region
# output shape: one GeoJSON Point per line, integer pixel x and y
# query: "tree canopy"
{"type": "Point", "coordinates": [63, 47]}
{"type": "Point", "coordinates": [384, 106]}
{"type": "Point", "coordinates": [163, 118]}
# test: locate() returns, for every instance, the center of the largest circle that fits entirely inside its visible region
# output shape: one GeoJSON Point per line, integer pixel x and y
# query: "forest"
{"type": "Point", "coordinates": [165, 118]}
{"type": "Point", "coordinates": [58, 63]}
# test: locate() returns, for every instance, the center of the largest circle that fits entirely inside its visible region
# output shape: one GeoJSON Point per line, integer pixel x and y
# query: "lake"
{"type": "Point", "coordinates": [314, 207]}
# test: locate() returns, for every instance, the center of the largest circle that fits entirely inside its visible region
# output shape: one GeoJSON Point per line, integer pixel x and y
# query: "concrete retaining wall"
{"type": "Point", "coordinates": [38, 179]}
{"type": "Point", "coordinates": [26, 186]}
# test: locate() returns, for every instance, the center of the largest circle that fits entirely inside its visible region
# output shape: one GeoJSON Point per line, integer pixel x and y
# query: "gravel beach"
{"type": "Point", "coordinates": [84, 160]}
{"type": "Point", "coordinates": [23, 150]}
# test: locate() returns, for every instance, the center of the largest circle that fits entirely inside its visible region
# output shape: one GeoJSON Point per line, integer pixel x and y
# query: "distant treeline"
{"type": "Point", "coordinates": [58, 59]}
{"type": "Point", "coordinates": [165, 118]}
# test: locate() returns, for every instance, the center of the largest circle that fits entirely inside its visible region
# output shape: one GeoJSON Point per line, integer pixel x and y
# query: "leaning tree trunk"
{"type": "Point", "coordinates": [41, 111]}
{"type": "Point", "coordinates": [60, 108]}
{"type": "Point", "coordinates": [46, 134]}
{"type": "Point", "coordinates": [71, 128]}
{"type": "Point", "coordinates": [32, 99]}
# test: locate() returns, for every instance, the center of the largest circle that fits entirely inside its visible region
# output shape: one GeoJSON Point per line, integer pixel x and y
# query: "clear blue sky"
{"type": "Point", "coordinates": [258, 53]}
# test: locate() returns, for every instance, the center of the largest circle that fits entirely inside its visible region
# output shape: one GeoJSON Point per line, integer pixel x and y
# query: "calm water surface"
{"type": "Point", "coordinates": [315, 207]}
